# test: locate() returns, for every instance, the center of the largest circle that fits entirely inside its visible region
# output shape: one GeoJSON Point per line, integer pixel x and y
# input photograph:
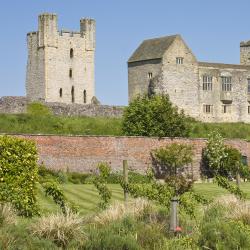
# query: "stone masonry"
{"type": "Point", "coordinates": [60, 65]}
{"type": "Point", "coordinates": [209, 92]}
{"type": "Point", "coordinates": [83, 153]}
{"type": "Point", "coordinates": [18, 105]}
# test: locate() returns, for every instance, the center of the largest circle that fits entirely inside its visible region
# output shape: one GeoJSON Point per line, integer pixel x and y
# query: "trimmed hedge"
{"type": "Point", "coordinates": [18, 174]}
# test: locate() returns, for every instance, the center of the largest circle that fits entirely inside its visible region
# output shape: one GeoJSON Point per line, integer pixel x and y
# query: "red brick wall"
{"type": "Point", "coordinates": [83, 153]}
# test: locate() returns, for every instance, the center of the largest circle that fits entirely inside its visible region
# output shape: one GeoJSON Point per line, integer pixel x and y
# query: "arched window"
{"type": "Point", "coordinates": [85, 96]}
{"type": "Point", "coordinates": [60, 92]}
{"type": "Point", "coordinates": [71, 53]}
{"type": "Point", "coordinates": [72, 94]}
{"type": "Point", "coordinates": [70, 73]}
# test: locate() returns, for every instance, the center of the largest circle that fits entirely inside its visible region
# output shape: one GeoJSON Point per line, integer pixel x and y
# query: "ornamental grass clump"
{"type": "Point", "coordinates": [7, 214]}
{"type": "Point", "coordinates": [236, 209]}
{"type": "Point", "coordinates": [61, 228]}
{"type": "Point", "coordinates": [118, 211]}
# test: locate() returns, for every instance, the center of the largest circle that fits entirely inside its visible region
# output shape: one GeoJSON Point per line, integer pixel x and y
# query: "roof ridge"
{"type": "Point", "coordinates": [152, 48]}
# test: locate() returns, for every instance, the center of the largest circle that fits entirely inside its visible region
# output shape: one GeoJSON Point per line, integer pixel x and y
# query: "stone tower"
{"type": "Point", "coordinates": [60, 64]}
{"type": "Point", "coordinates": [245, 53]}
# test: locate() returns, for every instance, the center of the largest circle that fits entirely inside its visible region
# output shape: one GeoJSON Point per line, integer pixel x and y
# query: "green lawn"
{"type": "Point", "coordinates": [87, 198]}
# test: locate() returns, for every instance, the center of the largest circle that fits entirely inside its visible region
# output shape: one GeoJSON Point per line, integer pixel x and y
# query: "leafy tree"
{"type": "Point", "coordinates": [154, 116]}
{"type": "Point", "coordinates": [223, 162]}
{"type": "Point", "coordinates": [171, 159]}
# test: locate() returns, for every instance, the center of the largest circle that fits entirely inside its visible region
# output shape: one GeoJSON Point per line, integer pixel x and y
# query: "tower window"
{"type": "Point", "coordinates": [207, 82]}
{"type": "Point", "coordinates": [248, 85]}
{"type": "Point", "coordinates": [70, 73]}
{"type": "Point", "coordinates": [60, 92]}
{"type": "Point", "coordinates": [226, 82]}
{"type": "Point", "coordinates": [85, 96]}
{"type": "Point", "coordinates": [150, 75]}
{"type": "Point", "coordinates": [72, 94]}
{"type": "Point", "coordinates": [248, 110]}
{"type": "Point", "coordinates": [71, 53]}
{"type": "Point", "coordinates": [179, 60]}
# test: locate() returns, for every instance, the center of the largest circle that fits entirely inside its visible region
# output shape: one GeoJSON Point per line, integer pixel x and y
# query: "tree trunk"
{"type": "Point", "coordinates": [238, 179]}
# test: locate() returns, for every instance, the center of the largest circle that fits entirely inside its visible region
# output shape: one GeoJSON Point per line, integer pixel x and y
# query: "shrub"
{"type": "Point", "coordinates": [222, 162]}
{"type": "Point", "coordinates": [151, 236]}
{"type": "Point", "coordinates": [7, 214]}
{"type": "Point", "coordinates": [154, 116]}
{"type": "Point", "coordinates": [218, 230]}
{"type": "Point", "coordinates": [100, 183]}
{"type": "Point", "coordinates": [118, 235]}
{"type": "Point", "coordinates": [39, 109]}
{"type": "Point", "coordinates": [46, 174]}
{"type": "Point", "coordinates": [77, 178]}
{"type": "Point", "coordinates": [18, 174]}
{"type": "Point", "coordinates": [60, 228]}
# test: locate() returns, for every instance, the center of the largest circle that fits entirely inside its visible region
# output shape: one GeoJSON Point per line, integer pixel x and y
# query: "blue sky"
{"type": "Point", "coordinates": [212, 29]}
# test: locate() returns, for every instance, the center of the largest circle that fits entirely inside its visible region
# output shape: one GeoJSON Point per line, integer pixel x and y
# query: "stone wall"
{"type": "Point", "coordinates": [83, 153]}
{"type": "Point", "coordinates": [18, 104]}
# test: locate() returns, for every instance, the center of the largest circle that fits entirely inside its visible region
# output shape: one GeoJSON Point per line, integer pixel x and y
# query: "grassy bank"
{"type": "Point", "coordinates": [46, 124]}
{"type": "Point", "coordinates": [227, 130]}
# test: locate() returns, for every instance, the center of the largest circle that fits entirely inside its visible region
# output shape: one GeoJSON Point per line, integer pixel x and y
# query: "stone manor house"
{"type": "Point", "coordinates": [210, 92]}
{"type": "Point", "coordinates": [60, 64]}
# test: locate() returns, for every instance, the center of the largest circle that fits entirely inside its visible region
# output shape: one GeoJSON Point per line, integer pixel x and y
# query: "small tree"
{"type": "Point", "coordinates": [223, 162]}
{"type": "Point", "coordinates": [100, 183]}
{"type": "Point", "coordinates": [154, 116]}
{"type": "Point", "coordinates": [172, 159]}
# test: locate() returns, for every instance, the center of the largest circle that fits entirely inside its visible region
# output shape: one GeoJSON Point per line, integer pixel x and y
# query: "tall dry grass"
{"type": "Point", "coordinates": [60, 228]}
{"type": "Point", "coordinates": [234, 208]}
{"type": "Point", "coordinates": [7, 214]}
{"type": "Point", "coordinates": [118, 210]}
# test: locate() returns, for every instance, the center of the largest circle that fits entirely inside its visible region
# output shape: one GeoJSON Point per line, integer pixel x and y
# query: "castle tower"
{"type": "Point", "coordinates": [47, 30]}
{"type": "Point", "coordinates": [87, 28]}
{"type": "Point", "coordinates": [60, 64]}
{"type": "Point", "coordinates": [245, 53]}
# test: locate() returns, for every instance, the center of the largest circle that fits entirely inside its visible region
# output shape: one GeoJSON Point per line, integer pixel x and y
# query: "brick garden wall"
{"type": "Point", "coordinates": [83, 153]}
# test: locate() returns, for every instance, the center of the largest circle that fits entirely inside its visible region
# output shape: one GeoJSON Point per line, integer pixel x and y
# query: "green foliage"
{"type": "Point", "coordinates": [38, 109]}
{"type": "Point", "coordinates": [233, 189]}
{"type": "Point", "coordinates": [154, 116]}
{"type": "Point", "coordinates": [151, 236]}
{"type": "Point", "coordinates": [100, 183]}
{"type": "Point", "coordinates": [18, 174]}
{"type": "Point", "coordinates": [219, 232]}
{"type": "Point", "coordinates": [170, 160]}
{"type": "Point", "coordinates": [119, 235]}
{"type": "Point", "coordinates": [214, 152]}
{"type": "Point", "coordinates": [46, 174]}
{"type": "Point", "coordinates": [15, 237]}
{"type": "Point", "coordinates": [53, 190]}
{"type": "Point", "coordinates": [77, 178]}
{"type": "Point", "coordinates": [223, 162]}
